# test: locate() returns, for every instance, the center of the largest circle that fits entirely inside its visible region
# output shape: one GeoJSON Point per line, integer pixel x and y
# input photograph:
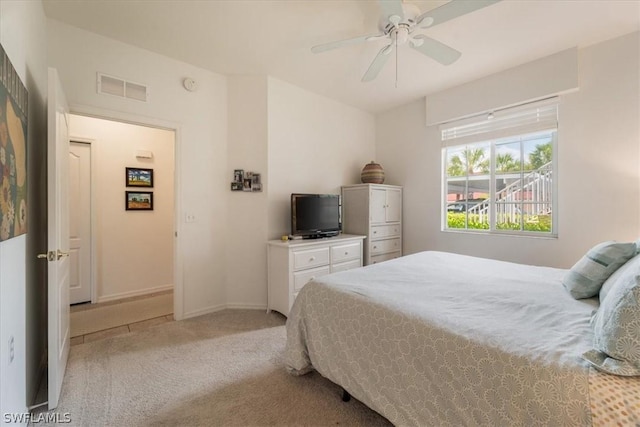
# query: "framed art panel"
{"type": "Point", "coordinates": [13, 151]}
{"type": "Point", "coordinates": [138, 177]}
{"type": "Point", "coordinates": [138, 200]}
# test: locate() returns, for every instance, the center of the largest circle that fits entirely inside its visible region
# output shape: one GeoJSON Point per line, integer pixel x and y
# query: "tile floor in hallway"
{"type": "Point", "coordinates": [91, 322]}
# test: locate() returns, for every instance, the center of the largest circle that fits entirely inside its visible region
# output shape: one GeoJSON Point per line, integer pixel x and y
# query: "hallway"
{"type": "Point", "coordinates": [91, 322]}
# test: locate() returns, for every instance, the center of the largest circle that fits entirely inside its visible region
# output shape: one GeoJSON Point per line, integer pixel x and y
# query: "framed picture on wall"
{"type": "Point", "coordinates": [13, 151]}
{"type": "Point", "coordinates": [138, 200]}
{"type": "Point", "coordinates": [256, 184]}
{"type": "Point", "coordinates": [138, 177]}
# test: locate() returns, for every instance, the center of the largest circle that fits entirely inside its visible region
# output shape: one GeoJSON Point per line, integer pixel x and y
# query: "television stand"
{"type": "Point", "coordinates": [294, 263]}
{"type": "Point", "coordinates": [322, 235]}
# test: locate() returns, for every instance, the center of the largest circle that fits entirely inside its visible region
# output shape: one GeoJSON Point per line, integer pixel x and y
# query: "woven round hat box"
{"type": "Point", "coordinates": [372, 173]}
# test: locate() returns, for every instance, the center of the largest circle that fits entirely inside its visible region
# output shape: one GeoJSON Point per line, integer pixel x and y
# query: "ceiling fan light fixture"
{"type": "Point", "coordinates": [400, 35]}
{"type": "Point", "coordinates": [416, 42]}
{"type": "Point", "coordinates": [425, 22]}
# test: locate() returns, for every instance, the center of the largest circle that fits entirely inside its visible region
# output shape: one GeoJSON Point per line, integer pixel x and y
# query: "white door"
{"type": "Point", "coordinates": [79, 222]}
{"type": "Point", "coordinates": [58, 236]}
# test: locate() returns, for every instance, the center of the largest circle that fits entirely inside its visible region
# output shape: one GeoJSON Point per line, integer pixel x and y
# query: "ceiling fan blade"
{"type": "Point", "coordinates": [339, 43]}
{"type": "Point", "coordinates": [434, 49]}
{"type": "Point", "coordinates": [451, 10]}
{"type": "Point", "coordinates": [378, 63]}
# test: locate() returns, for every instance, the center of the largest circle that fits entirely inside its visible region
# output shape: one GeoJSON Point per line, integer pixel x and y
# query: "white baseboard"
{"type": "Point", "coordinates": [136, 293]}
{"type": "Point", "coordinates": [221, 307]}
{"type": "Point", "coordinates": [247, 306]}
{"type": "Point", "coordinates": [203, 311]}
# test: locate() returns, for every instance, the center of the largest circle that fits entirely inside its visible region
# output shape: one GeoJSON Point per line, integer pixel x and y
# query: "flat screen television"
{"type": "Point", "coordinates": [315, 215]}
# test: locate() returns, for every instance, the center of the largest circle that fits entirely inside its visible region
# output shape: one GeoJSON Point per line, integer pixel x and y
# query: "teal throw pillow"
{"type": "Point", "coordinates": [586, 277]}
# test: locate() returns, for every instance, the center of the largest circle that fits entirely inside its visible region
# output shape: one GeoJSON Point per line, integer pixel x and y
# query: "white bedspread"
{"type": "Point", "coordinates": [444, 339]}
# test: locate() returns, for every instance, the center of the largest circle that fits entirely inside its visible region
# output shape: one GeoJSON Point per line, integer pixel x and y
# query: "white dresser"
{"type": "Point", "coordinates": [374, 210]}
{"type": "Point", "coordinates": [294, 263]}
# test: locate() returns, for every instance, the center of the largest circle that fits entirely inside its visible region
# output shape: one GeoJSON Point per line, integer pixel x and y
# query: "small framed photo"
{"type": "Point", "coordinates": [238, 175]}
{"type": "Point", "coordinates": [256, 184]}
{"type": "Point", "coordinates": [246, 184]}
{"type": "Point", "coordinates": [138, 200]}
{"type": "Point", "coordinates": [137, 177]}
{"type": "Point", "coordinates": [236, 186]}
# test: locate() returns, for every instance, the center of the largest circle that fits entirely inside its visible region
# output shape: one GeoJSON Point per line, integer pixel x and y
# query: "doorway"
{"type": "Point", "coordinates": [129, 254]}
{"type": "Point", "coordinates": [80, 215]}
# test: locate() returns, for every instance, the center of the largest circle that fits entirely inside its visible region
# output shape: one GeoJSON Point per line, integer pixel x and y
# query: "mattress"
{"type": "Point", "coordinates": [437, 338]}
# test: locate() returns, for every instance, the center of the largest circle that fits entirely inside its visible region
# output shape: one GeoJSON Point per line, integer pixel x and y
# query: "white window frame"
{"type": "Point", "coordinates": [521, 121]}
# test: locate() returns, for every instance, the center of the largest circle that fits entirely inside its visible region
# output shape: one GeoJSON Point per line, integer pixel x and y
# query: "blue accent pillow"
{"type": "Point", "coordinates": [586, 277]}
{"type": "Point", "coordinates": [633, 263]}
{"type": "Point", "coordinates": [616, 325]}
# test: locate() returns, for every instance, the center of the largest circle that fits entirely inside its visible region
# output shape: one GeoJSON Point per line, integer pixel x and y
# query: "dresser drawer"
{"type": "Point", "coordinates": [310, 258]}
{"type": "Point", "coordinates": [384, 246]}
{"type": "Point", "coordinates": [386, 230]}
{"type": "Point", "coordinates": [385, 257]}
{"type": "Point", "coordinates": [346, 265]}
{"type": "Point", "coordinates": [345, 252]}
{"type": "Point", "coordinates": [301, 278]}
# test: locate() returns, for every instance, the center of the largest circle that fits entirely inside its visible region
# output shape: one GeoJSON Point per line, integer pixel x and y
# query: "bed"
{"type": "Point", "coordinates": [441, 339]}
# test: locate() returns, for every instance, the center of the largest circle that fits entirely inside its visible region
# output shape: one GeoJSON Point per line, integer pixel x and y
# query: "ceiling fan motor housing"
{"type": "Point", "coordinates": [400, 35]}
{"type": "Point", "coordinates": [399, 28]}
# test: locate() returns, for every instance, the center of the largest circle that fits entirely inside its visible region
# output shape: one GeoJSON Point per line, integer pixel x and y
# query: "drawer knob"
{"type": "Point", "coordinates": [375, 232]}
{"type": "Point", "coordinates": [375, 247]}
{"type": "Point", "coordinates": [346, 252]}
{"type": "Point", "coordinates": [312, 258]}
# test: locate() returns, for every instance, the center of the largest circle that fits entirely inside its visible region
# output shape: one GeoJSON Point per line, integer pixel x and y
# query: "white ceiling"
{"type": "Point", "coordinates": [274, 38]}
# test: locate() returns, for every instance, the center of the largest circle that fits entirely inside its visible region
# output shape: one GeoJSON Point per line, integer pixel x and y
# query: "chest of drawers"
{"type": "Point", "coordinates": [293, 264]}
{"type": "Point", "coordinates": [374, 210]}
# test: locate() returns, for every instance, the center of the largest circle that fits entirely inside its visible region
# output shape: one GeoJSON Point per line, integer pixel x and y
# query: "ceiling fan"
{"type": "Point", "coordinates": [400, 23]}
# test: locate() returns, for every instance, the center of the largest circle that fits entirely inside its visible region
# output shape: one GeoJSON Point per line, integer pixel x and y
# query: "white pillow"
{"type": "Point", "coordinates": [616, 325]}
{"type": "Point", "coordinates": [586, 277]}
{"type": "Point", "coordinates": [633, 263]}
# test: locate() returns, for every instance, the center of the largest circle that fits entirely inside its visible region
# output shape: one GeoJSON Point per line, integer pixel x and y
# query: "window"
{"type": "Point", "coordinates": [498, 172]}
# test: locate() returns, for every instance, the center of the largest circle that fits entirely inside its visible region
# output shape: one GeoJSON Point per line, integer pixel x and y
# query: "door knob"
{"type": "Point", "coordinates": [62, 254]}
{"type": "Point", "coordinates": [50, 256]}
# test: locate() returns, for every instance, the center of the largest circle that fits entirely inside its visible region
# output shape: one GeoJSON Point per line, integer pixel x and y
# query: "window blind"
{"type": "Point", "coordinates": [523, 119]}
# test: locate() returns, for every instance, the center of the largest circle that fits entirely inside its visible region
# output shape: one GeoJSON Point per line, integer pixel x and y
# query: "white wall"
{"type": "Point", "coordinates": [134, 249]}
{"type": "Point", "coordinates": [22, 34]}
{"type": "Point", "coordinates": [598, 172]}
{"type": "Point", "coordinates": [247, 212]}
{"type": "Point", "coordinates": [316, 145]}
{"type": "Point", "coordinates": [200, 118]}
{"type": "Point", "coordinates": [300, 142]}
{"type": "Point", "coordinates": [297, 140]}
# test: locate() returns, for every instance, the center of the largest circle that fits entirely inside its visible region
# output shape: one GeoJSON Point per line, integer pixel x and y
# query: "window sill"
{"type": "Point", "coordinates": [530, 235]}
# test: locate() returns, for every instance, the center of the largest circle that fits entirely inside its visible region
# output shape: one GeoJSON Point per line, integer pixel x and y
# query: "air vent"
{"type": "Point", "coordinates": [115, 86]}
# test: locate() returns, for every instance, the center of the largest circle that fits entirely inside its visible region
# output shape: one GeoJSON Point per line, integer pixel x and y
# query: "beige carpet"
{"type": "Point", "coordinates": [221, 369]}
{"type": "Point", "coordinates": [89, 318]}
